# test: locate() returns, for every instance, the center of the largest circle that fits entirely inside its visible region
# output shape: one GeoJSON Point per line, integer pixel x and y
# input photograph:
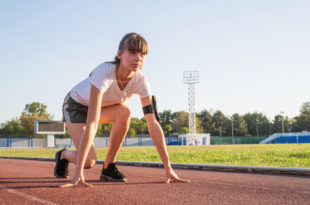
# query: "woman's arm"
{"type": "Point", "coordinates": [93, 116]}
{"type": "Point", "coordinates": [158, 137]}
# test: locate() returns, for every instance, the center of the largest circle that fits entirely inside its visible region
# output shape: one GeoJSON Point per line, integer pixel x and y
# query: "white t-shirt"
{"type": "Point", "coordinates": [103, 77]}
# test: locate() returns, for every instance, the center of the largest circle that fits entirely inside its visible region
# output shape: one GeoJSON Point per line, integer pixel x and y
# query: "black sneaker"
{"type": "Point", "coordinates": [61, 168]}
{"type": "Point", "coordinates": [111, 174]}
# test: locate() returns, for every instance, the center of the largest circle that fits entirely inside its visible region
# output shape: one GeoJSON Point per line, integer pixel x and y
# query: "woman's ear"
{"type": "Point", "coordinates": [119, 55]}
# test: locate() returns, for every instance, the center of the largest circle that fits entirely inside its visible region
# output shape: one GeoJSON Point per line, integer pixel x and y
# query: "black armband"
{"type": "Point", "coordinates": [151, 108]}
{"type": "Point", "coordinates": [155, 107]}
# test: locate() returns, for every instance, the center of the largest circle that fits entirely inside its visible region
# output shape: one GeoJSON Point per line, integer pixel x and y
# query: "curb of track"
{"type": "Point", "coordinates": [210, 167]}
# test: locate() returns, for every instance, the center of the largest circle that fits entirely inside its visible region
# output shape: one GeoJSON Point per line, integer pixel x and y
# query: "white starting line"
{"type": "Point", "coordinates": [27, 196]}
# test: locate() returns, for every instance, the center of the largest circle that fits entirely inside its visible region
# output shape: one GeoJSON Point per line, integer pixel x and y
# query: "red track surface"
{"type": "Point", "coordinates": [32, 182]}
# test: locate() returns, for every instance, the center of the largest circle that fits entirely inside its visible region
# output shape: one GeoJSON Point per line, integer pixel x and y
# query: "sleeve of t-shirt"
{"type": "Point", "coordinates": [143, 87]}
{"type": "Point", "coordinates": [100, 77]}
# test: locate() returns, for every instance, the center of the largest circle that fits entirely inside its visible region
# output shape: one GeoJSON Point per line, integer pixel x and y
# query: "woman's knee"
{"type": "Point", "coordinates": [90, 163]}
{"type": "Point", "coordinates": [124, 114]}
{"type": "Point", "coordinates": [91, 158]}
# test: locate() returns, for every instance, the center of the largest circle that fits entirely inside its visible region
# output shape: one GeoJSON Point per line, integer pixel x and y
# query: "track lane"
{"type": "Point", "coordinates": [146, 186]}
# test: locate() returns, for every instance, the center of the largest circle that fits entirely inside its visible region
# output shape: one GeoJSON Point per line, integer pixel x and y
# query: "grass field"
{"type": "Point", "coordinates": [277, 155]}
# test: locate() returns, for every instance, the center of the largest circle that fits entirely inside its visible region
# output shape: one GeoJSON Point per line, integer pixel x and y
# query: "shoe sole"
{"type": "Point", "coordinates": [110, 179]}
{"type": "Point", "coordinates": [58, 176]}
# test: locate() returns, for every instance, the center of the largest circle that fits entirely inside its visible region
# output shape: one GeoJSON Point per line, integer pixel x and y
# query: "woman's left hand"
{"type": "Point", "coordinates": [171, 176]}
{"type": "Point", "coordinates": [76, 181]}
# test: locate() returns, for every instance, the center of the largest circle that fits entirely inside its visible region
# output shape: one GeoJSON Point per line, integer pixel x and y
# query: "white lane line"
{"type": "Point", "coordinates": [27, 196]}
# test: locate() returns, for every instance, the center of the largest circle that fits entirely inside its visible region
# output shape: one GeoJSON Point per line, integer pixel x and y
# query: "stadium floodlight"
{"type": "Point", "coordinates": [191, 78]}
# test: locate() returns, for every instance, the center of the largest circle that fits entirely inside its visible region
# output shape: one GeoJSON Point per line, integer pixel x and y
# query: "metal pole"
{"type": "Point", "coordinates": [191, 78]}
{"type": "Point", "coordinates": [282, 121]}
{"type": "Point", "coordinates": [232, 129]}
{"type": "Point", "coordinates": [191, 105]}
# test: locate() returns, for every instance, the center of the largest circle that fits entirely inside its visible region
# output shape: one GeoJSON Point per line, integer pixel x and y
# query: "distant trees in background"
{"type": "Point", "coordinates": [249, 124]}
{"type": "Point", "coordinates": [213, 122]}
{"type": "Point", "coordinates": [218, 124]}
{"type": "Point", "coordinates": [24, 124]}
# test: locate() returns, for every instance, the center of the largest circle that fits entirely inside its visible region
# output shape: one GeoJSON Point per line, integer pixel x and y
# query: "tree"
{"type": "Point", "coordinates": [205, 121]}
{"type": "Point", "coordinates": [24, 125]}
{"type": "Point", "coordinates": [257, 123]}
{"type": "Point", "coordinates": [183, 130]}
{"type": "Point", "coordinates": [131, 132]}
{"type": "Point", "coordinates": [33, 111]}
{"type": "Point", "coordinates": [167, 129]}
{"type": "Point", "coordinates": [165, 120]}
{"type": "Point", "coordinates": [240, 126]}
{"type": "Point", "coordinates": [12, 127]}
{"type": "Point", "coordinates": [277, 124]}
{"type": "Point", "coordinates": [36, 108]}
{"type": "Point", "coordinates": [220, 123]}
{"type": "Point", "coordinates": [265, 126]}
{"type": "Point", "coordinates": [199, 128]}
{"type": "Point", "coordinates": [302, 121]}
{"type": "Point", "coordinates": [305, 108]}
{"type": "Point", "coordinates": [165, 117]}
{"type": "Point", "coordinates": [104, 129]}
{"type": "Point", "coordinates": [179, 120]}
{"type": "Point", "coordinates": [139, 125]}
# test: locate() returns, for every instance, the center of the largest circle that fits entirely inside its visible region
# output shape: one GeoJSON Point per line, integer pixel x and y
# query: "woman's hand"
{"type": "Point", "coordinates": [76, 181]}
{"type": "Point", "coordinates": [171, 176]}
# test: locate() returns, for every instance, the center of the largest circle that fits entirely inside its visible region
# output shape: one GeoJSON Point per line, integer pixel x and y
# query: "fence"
{"type": "Point", "coordinates": [99, 142]}
{"type": "Point", "coordinates": [236, 140]}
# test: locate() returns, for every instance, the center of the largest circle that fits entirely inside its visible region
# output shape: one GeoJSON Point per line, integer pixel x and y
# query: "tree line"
{"type": "Point", "coordinates": [214, 122]}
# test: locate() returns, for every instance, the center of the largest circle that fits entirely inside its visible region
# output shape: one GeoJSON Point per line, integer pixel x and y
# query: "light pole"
{"type": "Point", "coordinates": [232, 129]}
{"type": "Point", "coordinates": [282, 117]}
{"type": "Point", "coordinates": [191, 78]}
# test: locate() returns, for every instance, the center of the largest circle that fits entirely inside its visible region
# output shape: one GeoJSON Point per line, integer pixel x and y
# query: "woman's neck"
{"type": "Point", "coordinates": [123, 74]}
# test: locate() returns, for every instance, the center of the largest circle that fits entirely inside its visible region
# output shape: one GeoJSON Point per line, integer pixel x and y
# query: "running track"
{"type": "Point", "coordinates": [32, 182]}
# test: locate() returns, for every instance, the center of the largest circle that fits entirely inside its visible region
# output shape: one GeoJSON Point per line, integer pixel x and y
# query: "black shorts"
{"type": "Point", "coordinates": [73, 111]}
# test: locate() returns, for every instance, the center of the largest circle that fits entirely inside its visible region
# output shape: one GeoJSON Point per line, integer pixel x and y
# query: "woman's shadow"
{"type": "Point", "coordinates": [52, 182]}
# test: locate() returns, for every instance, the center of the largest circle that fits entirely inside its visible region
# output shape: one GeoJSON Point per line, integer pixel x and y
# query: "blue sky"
{"type": "Point", "coordinates": [251, 55]}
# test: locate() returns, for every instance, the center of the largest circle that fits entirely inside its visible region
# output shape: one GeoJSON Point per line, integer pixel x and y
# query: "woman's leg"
{"type": "Point", "coordinates": [76, 131]}
{"type": "Point", "coordinates": [120, 115]}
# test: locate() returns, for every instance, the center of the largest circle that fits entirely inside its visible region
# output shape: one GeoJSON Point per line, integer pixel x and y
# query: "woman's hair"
{"type": "Point", "coordinates": [131, 42]}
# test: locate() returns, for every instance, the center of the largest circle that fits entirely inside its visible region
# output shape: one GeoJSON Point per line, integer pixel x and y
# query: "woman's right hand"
{"type": "Point", "coordinates": [76, 181]}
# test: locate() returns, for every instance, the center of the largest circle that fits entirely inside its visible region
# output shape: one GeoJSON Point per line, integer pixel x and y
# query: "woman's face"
{"type": "Point", "coordinates": [131, 60]}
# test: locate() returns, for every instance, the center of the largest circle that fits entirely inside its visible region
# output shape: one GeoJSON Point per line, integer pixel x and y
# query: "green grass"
{"type": "Point", "coordinates": [278, 155]}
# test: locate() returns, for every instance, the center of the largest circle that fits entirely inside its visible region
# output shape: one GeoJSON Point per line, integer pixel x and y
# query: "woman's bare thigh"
{"type": "Point", "coordinates": [108, 114]}
{"type": "Point", "coordinates": [112, 112]}
{"type": "Point", "coordinates": [76, 131]}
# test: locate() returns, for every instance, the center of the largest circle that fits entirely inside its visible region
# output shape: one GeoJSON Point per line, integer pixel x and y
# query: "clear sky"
{"type": "Point", "coordinates": [251, 55]}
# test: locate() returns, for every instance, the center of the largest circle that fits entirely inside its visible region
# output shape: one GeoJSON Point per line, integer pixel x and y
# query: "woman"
{"type": "Point", "coordinates": [99, 99]}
